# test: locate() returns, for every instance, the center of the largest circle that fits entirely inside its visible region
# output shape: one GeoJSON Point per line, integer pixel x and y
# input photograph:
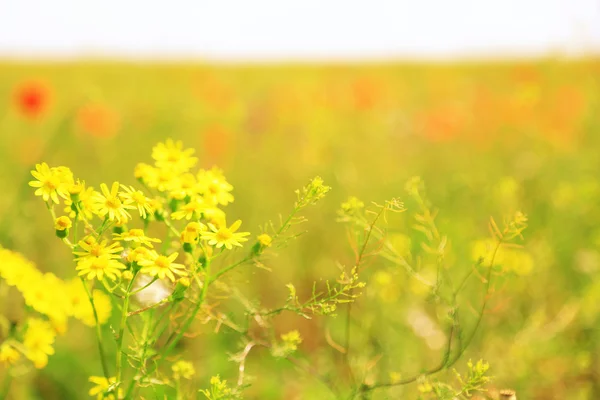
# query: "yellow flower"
{"type": "Point", "coordinates": [183, 369]}
{"type": "Point", "coordinates": [171, 155]}
{"type": "Point", "coordinates": [192, 231]}
{"type": "Point", "coordinates": [165, 179]}
{"type": "Point", "coordinates": [108, 204]}
{"type": "Point", "coordinates": [162, 266]}
{"type": "Point", "coordinates": [510, 259]}
{"type": "Point", "coordinates": [50, 182]}
{"type": "Point", "coordinates": [215, 216]}
{"type": "Point", "coordinates": [138, 254]}
{"type": "Point", "coordinates": [16, 270]}
{"type": "Point", "coordinates": [62, 223]}
{"type": "Point", "coordinates": [98, 267]}
{"type": "Point", "coordinates": [103, 385]}
{"type": "Point", "coordinates": [264, 240]}
{"type": "Point", "coordinates": [47, 296]}
{"type": "Point", "coordinates": [137, 236]}
{"type": "Point", "coordinates": [8, 354]}
{"type": "Point", "coordinates": [214, 187]}
{"type": "Point", "coordinates": [190, 210]}
{"type": "Point", "coordinates": [81, 307]}
{"type": "Point", "coordinates": [138, 199]}
{"type": "Point", "coordinates": [145, 172]}
{"type": "Point", "coordinates": [186, 186]}
{"type": "Point", "coordinates": [38, 341]}
{"type": "Point", "coordinates": [76, 188]}
{"type": "Point", "coordinates": [91, 248]}
{"type": "Point", "coordinates": [86, 204]}
{"type": "Point", "coordinates": [224, 236]}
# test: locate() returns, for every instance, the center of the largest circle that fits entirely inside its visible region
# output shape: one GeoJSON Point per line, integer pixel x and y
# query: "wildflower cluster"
{"type": "Point", "coordinates": [475, 381]}
{"type": "Point", "coordinates": [160, 250]}
{"type": "Point", "coordinates": [51, 302]}
{"type": "Point", "coordinates": [116, 255]}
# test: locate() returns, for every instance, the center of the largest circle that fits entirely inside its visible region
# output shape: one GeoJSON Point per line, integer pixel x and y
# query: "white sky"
{"type": "Point", "coordinates": [297, 29]}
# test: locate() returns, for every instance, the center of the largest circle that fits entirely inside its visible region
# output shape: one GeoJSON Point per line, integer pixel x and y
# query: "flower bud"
{"type": "Point", "coordinates": [62, 225]}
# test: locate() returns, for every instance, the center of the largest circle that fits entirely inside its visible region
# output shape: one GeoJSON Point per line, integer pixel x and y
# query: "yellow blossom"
{"type": "Point", "coordinates": [99, 267]}
{"type": "Point", "coordinates": [81, 307]}
{"type": "Point", "coordinates": [264, 240]}
{"type": "Point", "coordinates": [108, 204]}
{"type": "Point", "coordinates": [38, 341]}
{"type": "Point", "coordinates": [192, 231]}
{"type": "Point", "coordinates": [172, 155]}
{"type": "Point", "coordinates": [224, 236]}
{"type": "Point", "coordinates": [183, 369]}
{"type": "Point", "coordinates": [85, 204]}
{"type": "Point", "coordinates": [62, 223]}
{"type": "Point", "coordinates": [214, 187]}
{"type": "Point", "coordinates": [162, 266]}
{"type": "Point", "coordinates": [50, 183]}
{"type": "Point", "coordinates": [138, 199]}
{"type": "Point", "coordinates": [8, 354]}
{"type": "Point", "coordinates": [190, 210]}
{"type": "Point", "coordinates": [103, 385]}
{"type": "Point", "coordinates": [137, 236]}
{"type": "Point", "coordinates": [90, 247]}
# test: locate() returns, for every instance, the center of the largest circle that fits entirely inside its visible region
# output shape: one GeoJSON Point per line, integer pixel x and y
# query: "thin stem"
{"type": "Point", "coordinates": [98, 331]}
{"type": "Point", "coordinates": [4, 389]}
{"type": "Point", "coordinates": [122, 332]}
{"type": "Point", "coordinates": [483, 305]}
{"type": "Point", "coordinates": [193, 314]}
{"type": "Point", "coordinates": [359, 259]}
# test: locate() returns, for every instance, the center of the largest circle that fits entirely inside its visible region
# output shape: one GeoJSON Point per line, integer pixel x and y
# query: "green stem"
{"type": "Point", "coordinates": [192, 316]}
{"type": "Point", "coordinates": [5, 385]}
{"type": "Point", "coordinates": [98, 331]}
{"type": "Point", "coordinates": [124, 312]}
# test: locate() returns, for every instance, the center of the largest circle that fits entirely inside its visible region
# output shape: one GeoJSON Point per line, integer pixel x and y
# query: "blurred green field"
{"type": "Point", "coordinates": [487, 140]}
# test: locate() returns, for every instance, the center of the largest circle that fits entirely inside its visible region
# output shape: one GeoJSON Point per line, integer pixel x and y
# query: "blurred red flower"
{"type": "Point", "coordinates": [98, 120]}
{"type": "Point", "coordinates": [32, 98]}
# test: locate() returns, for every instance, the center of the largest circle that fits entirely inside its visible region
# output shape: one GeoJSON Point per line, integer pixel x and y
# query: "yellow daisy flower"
{"type": "Point", "coordinates": [137, 236]}
{"type": "Point", "coordinates": [108, 204]}
{"type": "Point", "coordinates": [38, 341]}
{"type": "Point", "coordinates": [224, 236]}
{"type": "Point", "coordinates": [86, 204]}
{"type": "Point", "coordinates": [192, 231]}
{"type": "Point", "coordinates": [8, 354]}
{"type": "Point", "coordinates": [186, 186]}
{"type": "Point", "coordinates": [102, 387]}
{"type": "Point", "coordinates": [90, 247]}
{"type": "Point", "coordinates": [81, 307]}
{"type": "Point", "coordinates": [98, 267]}
{"type": "Point", "coordinates": [190, 210]}
{"type": "Point", "coordinates": [50, 183]}
{"type": "Point", "coordinates": [138, 199]}
{"type": "Point", "coordinates": [162, 266]}
{"type": "Point", "coordinates": [62, 223]}
{"type": "Point", "coordinates": [214, 187]}
{"type": "Point", "coordinates": [145, 172]}
{"type": "Point", "coordinates": [172, 155]}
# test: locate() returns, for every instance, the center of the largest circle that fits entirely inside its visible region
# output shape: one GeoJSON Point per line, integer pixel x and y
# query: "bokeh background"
{"type": "Point", "coordinates": [496, 105]}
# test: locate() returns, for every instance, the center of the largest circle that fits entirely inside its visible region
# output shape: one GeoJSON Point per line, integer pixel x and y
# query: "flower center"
{"type": "Point", "coordinates": [98, 265]}
{"type": "Point", "coordinates": [139, 198]}
{"type": "Point", "coordinates": [113, 202]}
{"type": "Point", "coordinates": [162, 262]}
{"type": "Point", "coordinates": [224, 234]}
{"type": "Point", "coordinates": [52, 183]}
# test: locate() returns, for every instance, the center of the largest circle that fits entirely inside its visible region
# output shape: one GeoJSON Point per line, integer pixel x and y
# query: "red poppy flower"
{"type": "Point", "coordinates": [32, 98]}
{"type": "Point", "coordinates": [98, 120]}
